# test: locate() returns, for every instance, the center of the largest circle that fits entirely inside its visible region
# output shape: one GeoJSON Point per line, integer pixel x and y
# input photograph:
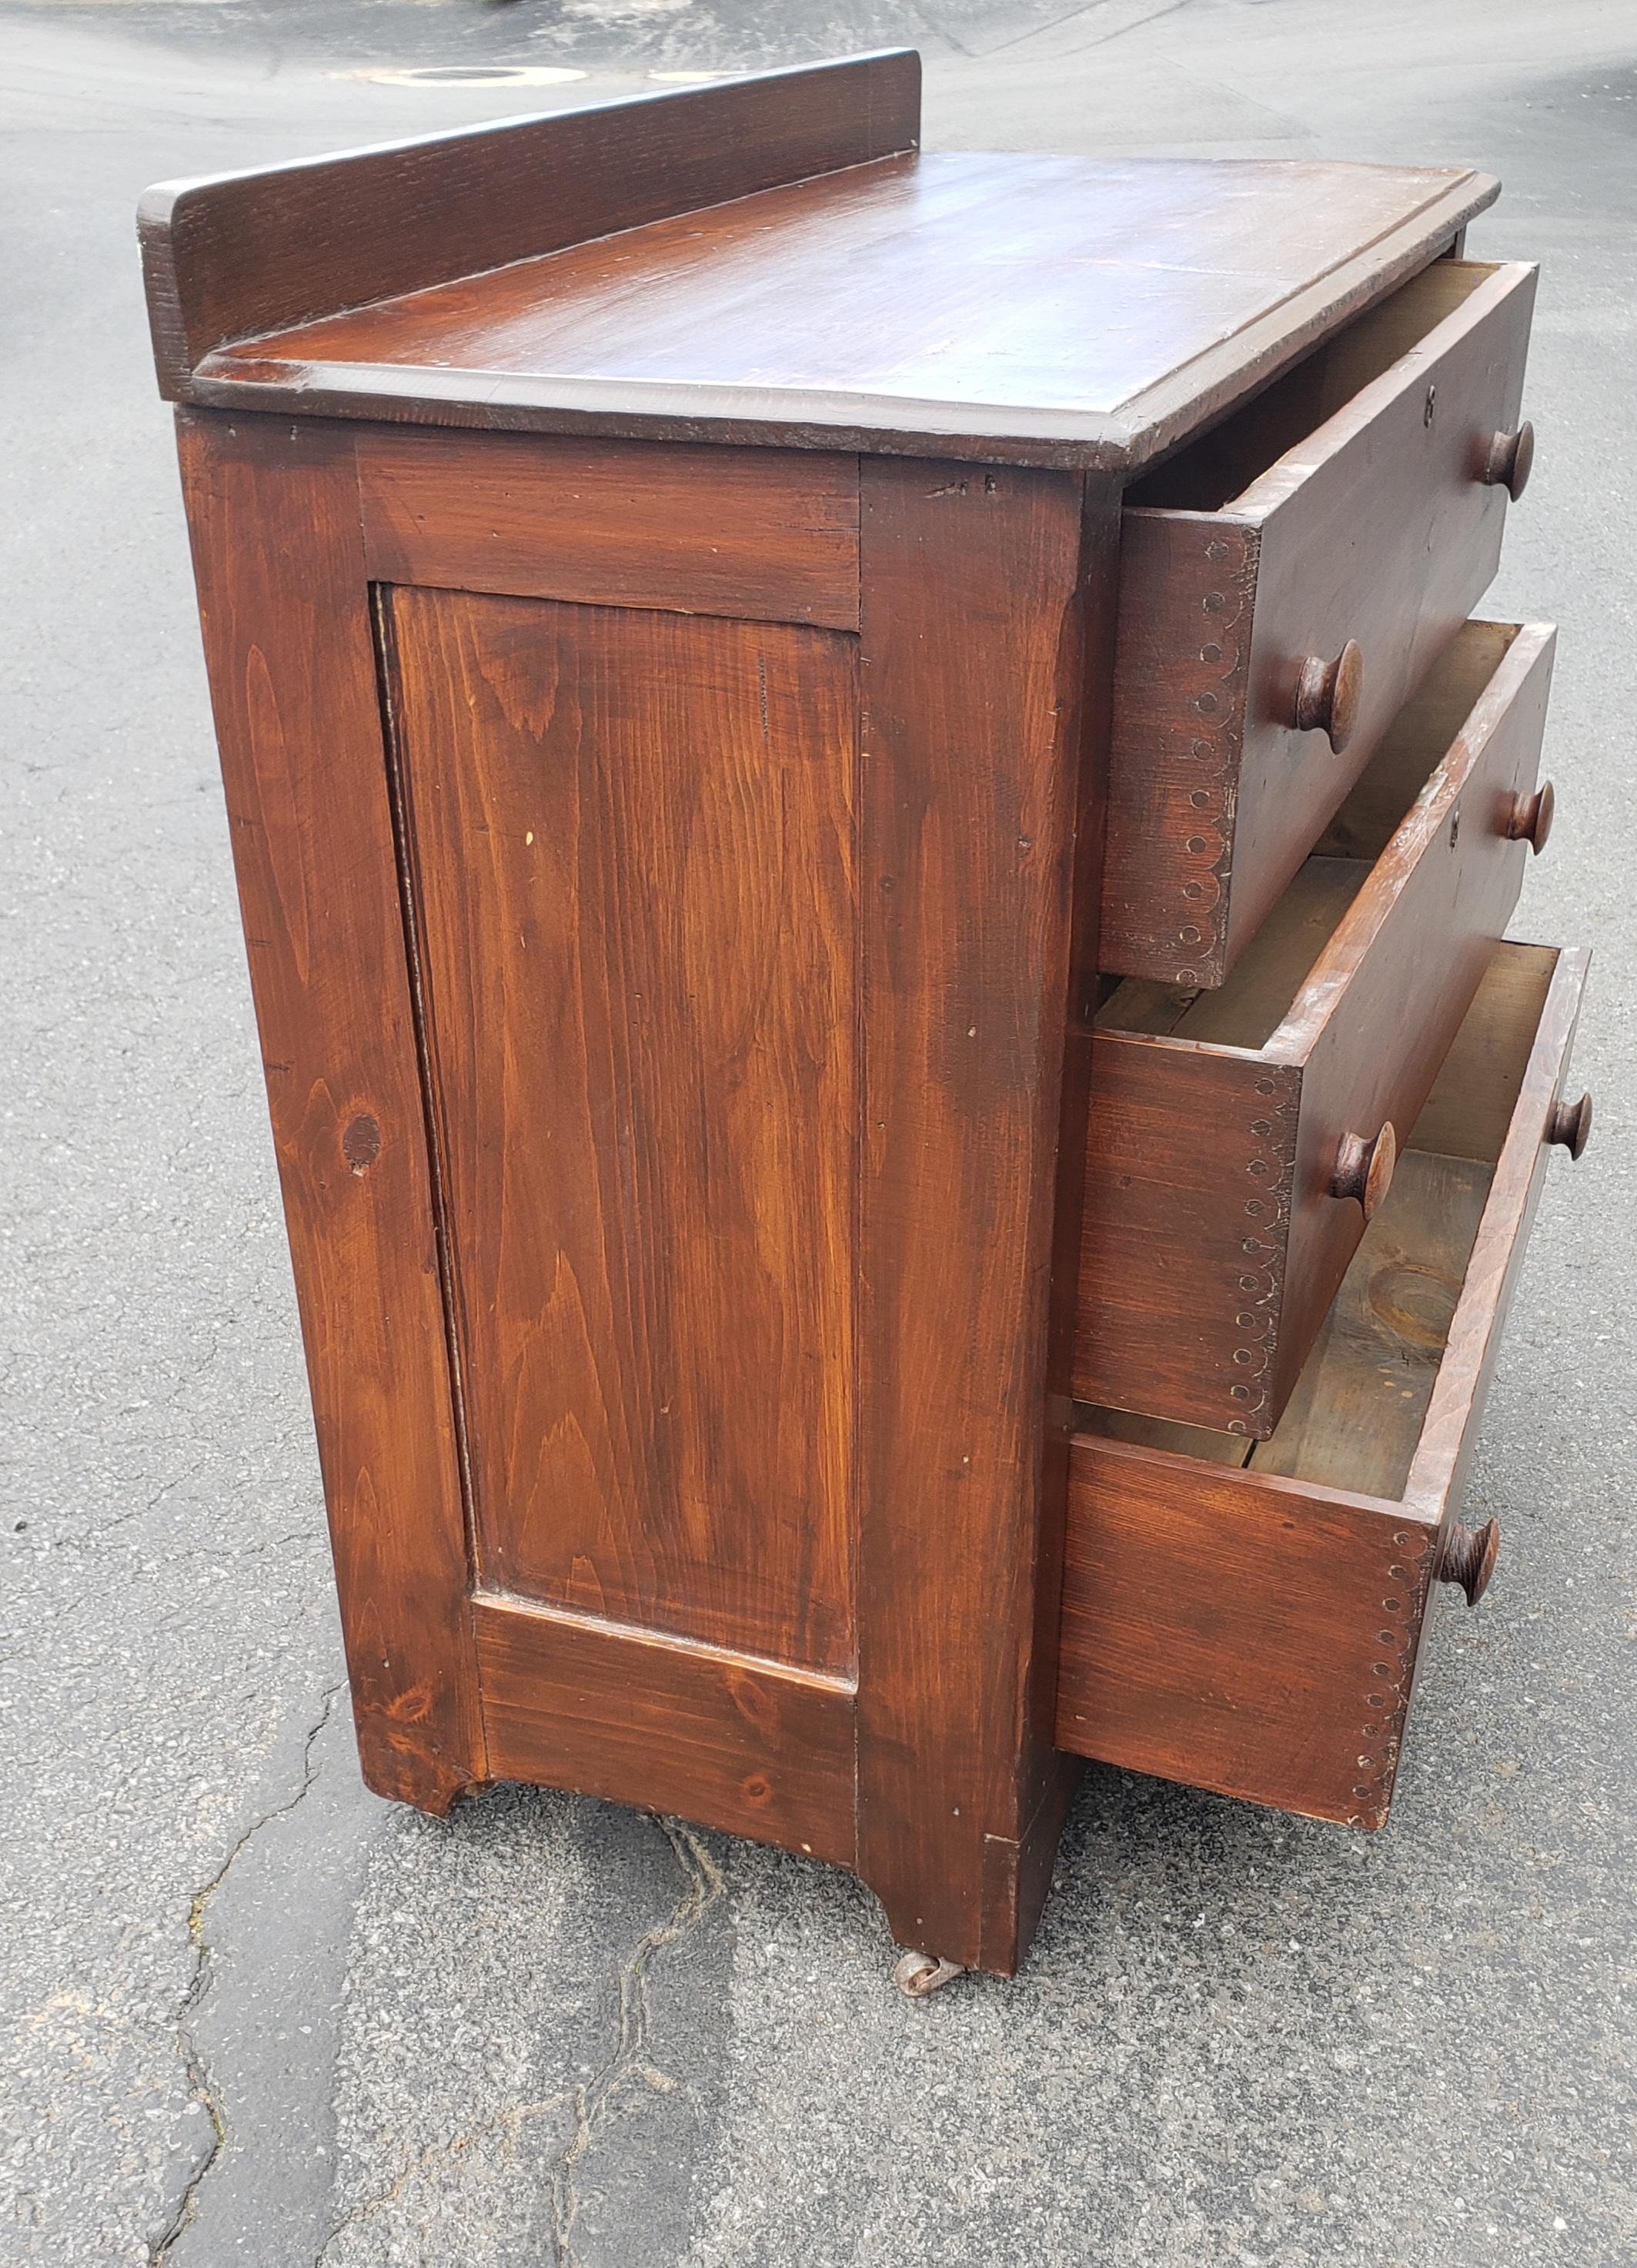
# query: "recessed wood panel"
{"type": "Point", "coordinates": [632, 845]}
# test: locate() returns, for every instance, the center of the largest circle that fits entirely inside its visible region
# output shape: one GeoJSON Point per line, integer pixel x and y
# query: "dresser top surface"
{"type": "Point", "coordinates": [1058, 309]}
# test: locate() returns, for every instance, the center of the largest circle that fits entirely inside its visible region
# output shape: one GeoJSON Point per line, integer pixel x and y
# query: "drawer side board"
{"type": "Point", "coordinates": [1237, 1636]}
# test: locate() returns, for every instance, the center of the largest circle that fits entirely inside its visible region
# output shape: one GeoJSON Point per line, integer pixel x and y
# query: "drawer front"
{"type": "Point", "coordinates": [1379, 528]}
{"type": "Point", "coordinates": [1254, 1629]}
{"type": "Point", "coordinates": [1213, 1238]}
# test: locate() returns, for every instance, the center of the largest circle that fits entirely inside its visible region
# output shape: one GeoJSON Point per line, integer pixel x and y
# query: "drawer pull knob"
{"type": "Point", "coordinates": [1510, 457]}
{"type": "Point", "coordinates": [1364, 1169]}
{"type": "Point", "coordinates": [1529, 820]}
{"type": "Point", "coordinates": [1328, 695]}
{"type": "Point", "coordinates": [1571, 1125]}
{"type": "Point", "coordinates": [1469, 1558]}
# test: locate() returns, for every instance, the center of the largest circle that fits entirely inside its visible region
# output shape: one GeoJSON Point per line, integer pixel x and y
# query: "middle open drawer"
{"type": "Point", "coordinates": [1237, 1139]}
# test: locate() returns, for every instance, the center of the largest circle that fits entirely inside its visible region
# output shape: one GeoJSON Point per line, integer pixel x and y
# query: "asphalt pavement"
{"type": "Point", "coordinates": [254, 2015]}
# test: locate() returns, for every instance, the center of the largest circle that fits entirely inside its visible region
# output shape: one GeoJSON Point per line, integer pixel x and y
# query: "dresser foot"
{"type": "Point", "coordinates": [917, 1974]}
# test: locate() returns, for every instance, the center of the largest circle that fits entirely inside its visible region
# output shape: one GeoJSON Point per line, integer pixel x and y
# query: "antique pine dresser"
{"type": "Point", "coordinates": [874, 841]}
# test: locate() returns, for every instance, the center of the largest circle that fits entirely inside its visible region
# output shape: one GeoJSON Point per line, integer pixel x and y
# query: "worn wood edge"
{"type": "Point", "coordinates": [883, 119]}
{"type": "Point", "coordinates": [1246, 1476]}
{"type": "Point", "coordinates": [1434, 1486]}
{"type": "Point", "coordinates": [626, 1715]}
{"type": "Point", "coordinates": [655, 409]}
{"type": "Point", "coordinates": [1325, 986]}
{"type": "Point", "coordinates": [1018, 1872]}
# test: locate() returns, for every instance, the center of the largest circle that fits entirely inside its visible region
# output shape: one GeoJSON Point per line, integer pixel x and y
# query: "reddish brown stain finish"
{"type": "Point", "coordinates": [632, 845]}
{"type": "Point", "coordinates": [772, 262]}
{"type": "Point", "coordinates": [744, 1746]}
{"type": "Point", "coordinates": [1233, 1635]}
{"type": "Point", "coordinates": [820, 290]}
{"type": "Point", "coordinates": [699, 751]}
{"type": "Point", "coordinates": [247, 252]}
{"type": "Point", "coordinates": [767, 534]}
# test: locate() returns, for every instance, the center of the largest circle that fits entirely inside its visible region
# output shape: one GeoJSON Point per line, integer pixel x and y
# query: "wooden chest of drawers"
{"type": "Point", "coordinates": [875, 851]}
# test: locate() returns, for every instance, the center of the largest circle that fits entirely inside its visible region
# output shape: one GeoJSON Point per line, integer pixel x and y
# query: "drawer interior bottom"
{"type": "Point", "coordinates": [1355, 1418]}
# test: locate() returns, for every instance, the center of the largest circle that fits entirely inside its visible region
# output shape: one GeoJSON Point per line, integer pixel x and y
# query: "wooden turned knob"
{"type": "Point", "coordinates": [1529, 820]}
{"type": "Point", "coordinates": [1469, 1558]}
{"type": "Point", "coordinates": [1364, 1169]}
{"type": "Point", "coordinates": [1510, 455]}
{"type": "Point", "coordinates": [1328, 694]}
{"type": "Point", "coordinates": [1571, 1125]}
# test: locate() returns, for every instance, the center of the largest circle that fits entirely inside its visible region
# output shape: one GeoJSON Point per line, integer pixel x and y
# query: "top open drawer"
{"type": "Point", "coordinates": [1285, 581]}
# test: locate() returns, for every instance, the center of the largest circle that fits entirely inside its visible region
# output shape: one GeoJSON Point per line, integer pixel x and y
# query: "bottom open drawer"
{"type": "Point", "coordinates": [1248, 1619]}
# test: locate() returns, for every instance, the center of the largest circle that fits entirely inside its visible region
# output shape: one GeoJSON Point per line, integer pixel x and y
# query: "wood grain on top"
{"type": "Point", "coordinates": [1061, 310]}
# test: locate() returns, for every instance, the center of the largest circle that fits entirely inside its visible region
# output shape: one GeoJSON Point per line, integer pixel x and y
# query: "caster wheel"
{"type": "Point", "coordinates": [917, 1974]}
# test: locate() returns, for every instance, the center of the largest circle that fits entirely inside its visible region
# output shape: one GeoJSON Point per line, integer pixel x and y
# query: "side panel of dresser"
{"type": "Point", "coordinates": [631, 840]}
{"type": "Point", "coordinates": [986, 640]}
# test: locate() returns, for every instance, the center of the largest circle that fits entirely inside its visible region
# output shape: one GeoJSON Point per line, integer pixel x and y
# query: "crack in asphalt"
{"type": "Point", "coordinates": [508, 2122]}
{"type": "Point", "coordinates": [198, 2077]}
{"type": "Point", "coordinates": [594, 2100]}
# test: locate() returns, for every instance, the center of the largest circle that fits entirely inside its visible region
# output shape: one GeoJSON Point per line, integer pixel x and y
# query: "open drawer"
{"type": "Point", "coordinates": [1238, 1139]}
{"type": "Point", "coordinates": [1247, 1618]}
{"type": "Point", "coordinates": [1285, 581]}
